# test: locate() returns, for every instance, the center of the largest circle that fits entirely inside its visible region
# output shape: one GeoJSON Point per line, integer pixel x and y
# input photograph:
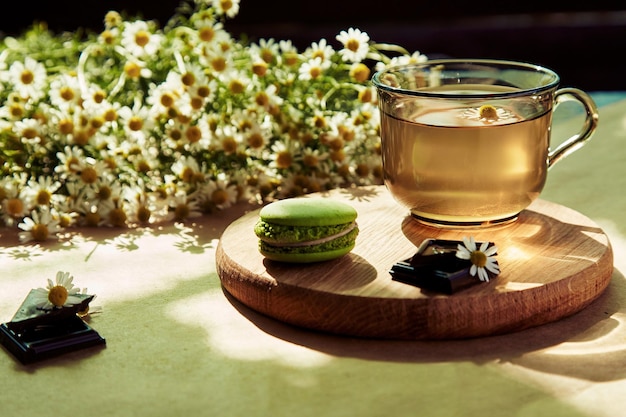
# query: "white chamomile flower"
{"type": "Point", "coordinates": [229, 8]}
{"type": "Point", "coordinates": [28, 78]}
{"type": "Point", "coordinates": [355, 45]}
{"type": "Point", "coordinates": [139, 39]}
{"type": "Point", "coordinates": [39, 227]}
{"type": "Point", "coordinates": [489, 114]}
{"type": "Point", "coordinates": [482, 259]}
{"type": "Point", "coordinates": [58, 294]}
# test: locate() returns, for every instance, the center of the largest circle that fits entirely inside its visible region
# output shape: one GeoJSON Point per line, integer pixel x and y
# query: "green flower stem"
{"type": "Point", "coordinates": [390, 48]}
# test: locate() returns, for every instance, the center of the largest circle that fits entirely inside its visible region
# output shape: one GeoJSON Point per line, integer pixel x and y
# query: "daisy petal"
{"type": "Point", "coordinates": [482, 275]}
{"type": "Point", "coordinates": [491, 251]}
{"type": "Point", "coordinates": [492, 267]}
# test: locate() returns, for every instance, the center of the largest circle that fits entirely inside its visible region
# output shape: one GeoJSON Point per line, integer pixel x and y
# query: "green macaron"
{"type": "Point", "coordinates": [304, 229]}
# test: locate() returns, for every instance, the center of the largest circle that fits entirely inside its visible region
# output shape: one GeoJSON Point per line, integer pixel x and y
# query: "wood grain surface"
{"type": "Point", "coordinates": [554, 262]}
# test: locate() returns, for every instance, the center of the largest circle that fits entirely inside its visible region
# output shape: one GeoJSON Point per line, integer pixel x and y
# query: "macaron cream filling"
{"type": "Point", "coordinates": [348, 228]}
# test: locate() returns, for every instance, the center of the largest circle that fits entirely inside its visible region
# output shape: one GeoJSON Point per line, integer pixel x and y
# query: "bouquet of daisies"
{"type": "Point", "coordinates": [139, 124]}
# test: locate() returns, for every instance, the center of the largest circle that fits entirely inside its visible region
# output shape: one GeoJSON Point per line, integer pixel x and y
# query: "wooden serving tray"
{"type": "Point", "coordinates": [554, 262]}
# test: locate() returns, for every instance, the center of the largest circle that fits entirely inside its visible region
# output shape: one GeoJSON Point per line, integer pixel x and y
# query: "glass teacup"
{"type": "Point", "coordinates": [466, 143]}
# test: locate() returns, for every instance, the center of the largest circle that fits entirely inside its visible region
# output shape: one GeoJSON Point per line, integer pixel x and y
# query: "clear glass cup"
{"type": "Point", "coordinates": [466, 143]}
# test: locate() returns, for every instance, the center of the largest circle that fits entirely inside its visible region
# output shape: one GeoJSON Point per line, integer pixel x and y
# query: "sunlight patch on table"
{"type": "Point", "coordinates": [236, 337]}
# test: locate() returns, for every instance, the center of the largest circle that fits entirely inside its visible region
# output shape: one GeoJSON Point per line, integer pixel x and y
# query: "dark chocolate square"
{"type": "Point", "coordinates": [435, 267]}
{"type": "Point", "coordinates": [35, 334]}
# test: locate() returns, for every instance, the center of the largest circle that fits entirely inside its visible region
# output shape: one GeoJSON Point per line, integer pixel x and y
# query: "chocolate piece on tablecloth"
{"type": "Point", "coordinates": [35, 334]}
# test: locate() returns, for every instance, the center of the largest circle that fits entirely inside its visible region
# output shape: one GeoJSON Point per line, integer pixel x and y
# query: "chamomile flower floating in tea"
{"type": "Point", "coordinates": [489, 114]}
{"type": "Point", "coordinates": [58, 294]}
{"type": "Point", "coordinates": [483, 259]}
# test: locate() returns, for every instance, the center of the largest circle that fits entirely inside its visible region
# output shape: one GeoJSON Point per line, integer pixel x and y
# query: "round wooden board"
{"type": "Point", "coordinates": [554, 262]}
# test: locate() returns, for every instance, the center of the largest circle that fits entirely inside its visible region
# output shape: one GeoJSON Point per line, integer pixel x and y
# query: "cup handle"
{"type": "Point", "coordinates": [591, 122]}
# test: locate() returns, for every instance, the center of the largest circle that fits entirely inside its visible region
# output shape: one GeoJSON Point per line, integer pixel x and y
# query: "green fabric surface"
{"type": "Point", "coordinates": [177, 345]}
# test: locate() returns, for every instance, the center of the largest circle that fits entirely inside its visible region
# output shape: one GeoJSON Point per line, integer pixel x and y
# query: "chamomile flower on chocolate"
{"type": "Point", "coordinates": [57, 294]}
{"type": "Point", "coordinates": [482, 258]}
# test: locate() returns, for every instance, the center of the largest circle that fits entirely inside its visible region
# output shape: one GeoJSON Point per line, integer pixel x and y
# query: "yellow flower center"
{"type": "Point", "coordinates": [360, 72]}
{"type": "Point", "coordinates": [143, 166]}
{"type": "Point", "coordinates": [319, 121]}
{"type": "Point", "coordinates": [15, 207]}
{"type": "Point", "coordinates": [43, 197]}
{"type": "Point", "coordinates": [104, 192]}
{"type": "Point", "coordinates": [39, 232]}
{"type": "Point", "coordinates": [487, 111]}
{"type": "Point", "coordinates": [81, 138]}
{"type": "Point", "coordinates": [181, 212]}
{"type": "Point", "coordinates": [135, 124]}
{"type": "Point", "coordinates": [318, 54]}
{"type": "Point", "coordinates": [167, 100]}
{"type": "Point", "coordinates": [259, 68]}
{"type": "Point", "coordinates": [117, 217]}
{"type": "Point", "coordinates": [142, 38]}
{"type": "Point", "coordinates": [229, 145]}
{"type": "Point", "coordinates": [365, 96]}
{"type": "Point", "coordinates": [362, 170]}
{"type": "Point", "coordinates": [261, 99]}
{"type": "Point", "coordinates": [110, 115]}
{"type": "Point", "coordinates": [478, 258]}
{"type": "Point", "coordinates": [284, 159]}
{"type": "Point", "coordinates": [203, 91]}
{"type": "Point", "coordinates": [336, 144]}
{"type": "Point", "coordinates": [27, 77]}
{"type": "Point", "coordinates": [315, 72]}
{"type": "Point", "coordinates": [107, 37]}
{"type": "Point", "coordinates": [71, 162]}
{"type": "Point", "coordinates": [219, 196]}
{"type": "Point", "coordinates": [353, 45]}
{"type": "Point", "coordinates": [197, 102]}
{"type": "Point", "coordinates": [16, 110]}
{"type": "Point", "coordinates": [206, 33]}
{"type": "Point", "coordinates": [58, 295]}
{"type": "Point", "coordinates": [291, 58]}
{"type": "Point", "coordinates": [188, 79]}
{"type": "Point", "coordinates": [143, 214]}
{"type": "Point", "coordinates": [89, 175]}
{"type": "Point", "coordinates": [256, 140]}
{"type": "Point", "coordinates": [132, 70]}
{"type": "Point", "coordinates": [310, 160]}
{"type": "Point", "coordinates": [99, 96]}
{"type": "Point", "coordinates": [96, 122]}
{"type": "Point", "coordinates": [236, 87]}
{"type": "Point", "coordinates": [187, 174]}
{"type": "Point", "coordinates": [338, 156]}
{"type": "Point", "coordinates": [66, 126]}
{"type": "Point", "coordinates": [67, 93]}
{"type": "Point", "coordinates": [218, 64]}
{"type": "Point", "coordinates": [193, 134]}
{"type": "Point", "coordinates": [267, 55]}
{"type": "Point", "coordinates": [226, 5]}
{"type": "Point", "coordinates": [92, 219]}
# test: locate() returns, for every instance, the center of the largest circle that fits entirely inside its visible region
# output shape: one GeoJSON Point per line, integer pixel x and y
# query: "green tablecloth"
{"type": "Point", "coordinates": [178, 345]}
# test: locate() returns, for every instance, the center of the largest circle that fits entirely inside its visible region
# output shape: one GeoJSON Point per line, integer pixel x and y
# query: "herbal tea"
{"type": "Point", "coordinates": [466, 143]}
{"type": "Point", "coordinates": [466, 165]}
